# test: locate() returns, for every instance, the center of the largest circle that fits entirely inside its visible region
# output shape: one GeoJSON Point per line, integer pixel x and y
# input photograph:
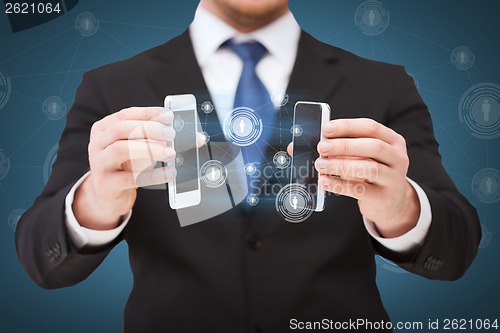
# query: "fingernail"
{"type": "Point", "coordinates": [324, 146]}
{"type": "Point", "coordinates": [170, 173]}
{"type": "Point", "coordinates": [329, 128]}
{"type": "Point", "coordinates": [322, 163]}
{"type": "Point", "coordinates": [166, 115]}
{"type": "Point", "coordinates": [170, 153]}
{"type": "Point", "coordinates": [169, 132]}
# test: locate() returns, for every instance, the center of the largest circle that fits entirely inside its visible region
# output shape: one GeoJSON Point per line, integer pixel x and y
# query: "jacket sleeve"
{"type": "Point", "coordinates": [455, 232]}
{"type": "Point", "coordinates": [43, 244]}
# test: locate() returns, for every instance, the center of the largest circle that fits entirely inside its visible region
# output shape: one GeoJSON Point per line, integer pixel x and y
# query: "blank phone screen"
{"type": "Point", "coordinates": [306, 136]}
{"type": "Point", "coordinates": [185, 147]}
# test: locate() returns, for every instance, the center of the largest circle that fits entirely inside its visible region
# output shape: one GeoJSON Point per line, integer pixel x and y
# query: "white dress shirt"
{"type": "Point", "coordinates": [221, 70]}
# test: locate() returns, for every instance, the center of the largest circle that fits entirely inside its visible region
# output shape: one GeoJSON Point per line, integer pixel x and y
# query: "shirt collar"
{"type": "Point", "coordinates": [280, 37]}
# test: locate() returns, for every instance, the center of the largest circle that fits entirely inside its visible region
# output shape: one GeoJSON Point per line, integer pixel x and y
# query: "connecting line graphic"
{"type": "Point", "coordinates": [26, 97]}
{"type": "Point", "coordinates": [28, 138]}
{"type": "Point", "coordinates": [448, 63]}
{"type": "Point", "coordinates": [141, 25]}
{"type": "Point", "coordinates": [71, 65]}
{"type": "Point", "coordinates": [388, 49]}
{"type": "Point", "coordinates": [341, 33]}
{"type": "Point", "coordinates": [36, 45]}
{"type": "Point", "coordinates": [421, 38]}
{"type": "Point", "coordinates": [118, 41]}
{"type": "Point", "coordinates": [21, 76]}
{"type": "Point", "coordinates": [6, 196]}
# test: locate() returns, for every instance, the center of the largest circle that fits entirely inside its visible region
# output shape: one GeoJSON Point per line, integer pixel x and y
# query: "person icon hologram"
{"type": "Point", "coordinates": [281, 160]}
{"type": "Point", "coordinates": [371, 17]}
{"type": "Point", "coordinates": [489, 185]}
{"type": "Point", "coordinates": [486, 109]}
{"type": "Point", "coordinates": [53, 107]}
{"type": "Point", "coordinates": [295, 202]}
{"type": "Point", "coordinates": [242, 126]}
{"type": "Point", "coordinates": [463, 57]}
{"type": "Point", "coordinates": [213, 174]}
{"type": "Point", "coordinates": [86, 24]}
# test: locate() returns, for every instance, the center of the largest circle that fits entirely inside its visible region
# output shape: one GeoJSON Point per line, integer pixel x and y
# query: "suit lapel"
{"type": "Point", "coordinates": [182, 75]}
{"type": "Point", "coordinates": [312, 73]}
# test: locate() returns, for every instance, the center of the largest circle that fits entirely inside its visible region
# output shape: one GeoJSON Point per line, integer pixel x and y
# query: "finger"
{"type": "Point", "coordinates": [348, 188]}
{"type": "Point", "coordinates": [138, 166]}
{"type": "Point", "coordinates": [159, 114]}
{"type": "Point", "coordinates": [359, 170]}
{"type": "Point", "coordinates": [360, 128]}
{"type": "Point", "coordinates": [289, 149]}
{"type": "Point", "coordinates": [135, 129]}
{"type": "Point", "coordinates": [375, 149]}
{"type": "Point", "coordinates": [123, 151]}
{"type": "Point", "coordinates": [125, 180]}
{"type": "Point", "coordinates": [201, 139]}
{"type": "Point", "coordinates": [155, 176]}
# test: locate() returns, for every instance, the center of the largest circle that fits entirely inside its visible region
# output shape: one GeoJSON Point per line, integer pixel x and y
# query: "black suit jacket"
{"type": "Point", "coordinates": [242, 272]}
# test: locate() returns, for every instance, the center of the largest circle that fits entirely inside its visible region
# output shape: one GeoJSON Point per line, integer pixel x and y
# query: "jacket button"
{"type": "Point", "coordinates": [254, 242]}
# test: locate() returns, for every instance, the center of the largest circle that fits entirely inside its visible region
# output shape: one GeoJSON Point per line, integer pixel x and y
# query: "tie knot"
{"type": "Point", "coordinates": [248, 51]}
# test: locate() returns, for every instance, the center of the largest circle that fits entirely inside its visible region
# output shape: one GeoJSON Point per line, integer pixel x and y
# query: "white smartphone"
{"type": "Point", "coordinates": [308, 121]}
{"type": "Point", "coordinates": [184, 191]}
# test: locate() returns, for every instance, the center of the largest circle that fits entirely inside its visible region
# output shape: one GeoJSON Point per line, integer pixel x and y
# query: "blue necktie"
{"type": "Point", "coordinates": [251, 93]}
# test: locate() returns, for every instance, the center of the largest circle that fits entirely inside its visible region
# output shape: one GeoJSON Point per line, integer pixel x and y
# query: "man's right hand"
{"type": "Point", "coordinates": [123, 151]}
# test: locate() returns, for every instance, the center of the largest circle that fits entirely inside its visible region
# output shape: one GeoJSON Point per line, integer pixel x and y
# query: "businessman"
{"type": "Point", "coordinates": [247, 270]}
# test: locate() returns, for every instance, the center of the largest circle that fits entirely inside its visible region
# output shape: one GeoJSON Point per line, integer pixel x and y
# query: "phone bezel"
{"type": "Point", "coordinates": [325, 117]}
{"type": "Point", "coordinates": [176, 103]}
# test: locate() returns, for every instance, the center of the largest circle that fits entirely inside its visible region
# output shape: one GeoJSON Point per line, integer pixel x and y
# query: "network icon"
{"type": "Point", "coordinates": [372, 18]}
{"type": "Point", "coordinates": [54, 108]}
{"type": "Point", "coordinates": [87, 24]}
{"type": "Point", "coordinates": [243, 126]}
{"type": "Point", "coordinates": [213, 173]}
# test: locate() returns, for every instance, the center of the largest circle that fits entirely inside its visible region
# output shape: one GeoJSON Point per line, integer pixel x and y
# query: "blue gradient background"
{"type": "Point", "coordinates": [50, 59]}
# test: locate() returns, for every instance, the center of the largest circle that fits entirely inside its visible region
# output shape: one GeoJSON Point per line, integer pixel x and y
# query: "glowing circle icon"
{"type": "Point", "coordinates": [54, 108]}
{"type": "Point", "coordinates": [479, 109]}
{"type": "Point", "coordinates": [250, 169]}
{"type": "Point", "coordinates": [296, 130]}
{"type": "Point", "coordinates": [87, 24]}
{"type": "Point", "coordinates": [14, 217]}
{"type": "Point", "coordinates": [178, 123]}
{"type": "Point", "coordinates": [207, 107]}
{"type": "Point", "coordinates": [294, 203]}
{"type": "Point", "coordinates": [5, 89]}
{"type": "Point", "coordinates": [179, 160]}
{"type": "Point", "coordinates": [213, 173]}
{"type": "Point", "coordinates": [4, 165]}
{"type": "Point", "coordinates": [49, 162]}
{"type": "Point", "coordinates": [205, 137]}
{"type": "Point", "coordinates": [487, 236]}
{"type": "Point", "coordinates": [243, 126]}
{"type": "Point", "coordinates": [252, 199]}
{"type": "Point", "coordinates": [372, 18]}
{"type": "Point", "coordinates": [280, 99]}
{"type": "Point", "coordinates": [462, 58]}
{"type": "Point", "coordinates": [281, 159]}
{"type": "Point", "coordinates": [486, 185]}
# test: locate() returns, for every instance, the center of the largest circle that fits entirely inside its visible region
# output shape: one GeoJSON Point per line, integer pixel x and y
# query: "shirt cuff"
{"type": "Point", "coordinates": [413, 238]}
{"type": "Point", "coordinates": [81, 236]}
